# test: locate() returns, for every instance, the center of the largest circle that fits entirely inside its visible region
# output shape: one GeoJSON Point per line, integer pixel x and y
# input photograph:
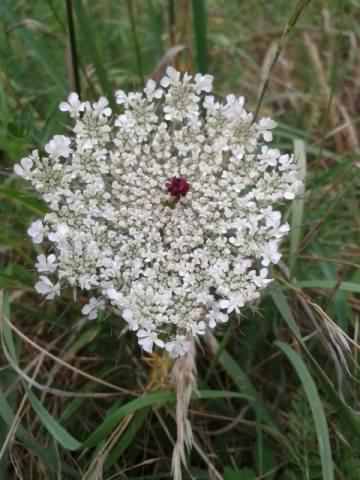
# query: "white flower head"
{"type": "Point", "coordinates": [270, 253]}
{"type": "Point", "coordinates": [168, 211]}
{"type": "Point", "coordinates": [172, 77]}
{"type": "Point", "coordinates": [36, 231]}
{"type": "Point", "coordinates": [101, 107]}
{"type": "Point", "coordinates": [233, 303]}
{"type": "Point", "coordinates": [24, 168]}
{"type": "Point", "coordinates": [92, 308]}
{"type": "Point", "coordinates": [121, 97]}
{"type": "Point", "coordinates": [151, 90]}
{"type": "Point", "coordinates": [147, 340]}
{"type": "Point", "coordinates": [45, 287]}
{"type": "Point", "coordinates": [203, 83]}
{"type": "Point", "coordinates": [46, 264]}
{"type": "Point", "coordinates": [73, 105]}
{"type": "Point", "coordinates": [59, 146]}
{"type": "Point", "coordinates": [61, 233]}
{"type": "Point", "coordinates": [265, 126]}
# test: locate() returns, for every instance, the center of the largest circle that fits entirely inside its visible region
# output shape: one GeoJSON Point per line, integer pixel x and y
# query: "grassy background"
{"type": "Point", "coordinates": [278, 395]}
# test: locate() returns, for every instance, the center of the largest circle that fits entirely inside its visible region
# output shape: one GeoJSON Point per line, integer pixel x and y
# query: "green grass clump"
{"type": "Point", "coordinates": [278, 388]}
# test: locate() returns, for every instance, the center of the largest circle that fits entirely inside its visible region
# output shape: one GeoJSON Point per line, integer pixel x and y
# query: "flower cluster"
{"type": "Point", "coordinates": [166, 211]}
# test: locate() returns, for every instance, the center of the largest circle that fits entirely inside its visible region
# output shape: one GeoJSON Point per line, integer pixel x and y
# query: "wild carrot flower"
{"type": "Point", "coordinates": [167, 211]}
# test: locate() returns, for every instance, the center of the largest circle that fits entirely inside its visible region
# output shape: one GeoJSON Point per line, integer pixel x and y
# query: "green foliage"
{"type": "Point", "coordinates": [317, 410]}
{"type": "Point", "coordinates": [302, 434]}
{"type": "Point", "coordinates": [243, 474]}
{"type": "Point", "coordinates": [278, 388]}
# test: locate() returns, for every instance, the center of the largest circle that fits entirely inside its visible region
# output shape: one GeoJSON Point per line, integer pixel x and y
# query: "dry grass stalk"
{"type": "Point", "coordinates": [183, 376]}
{"type": "Point", "coordinates": [342, 126]}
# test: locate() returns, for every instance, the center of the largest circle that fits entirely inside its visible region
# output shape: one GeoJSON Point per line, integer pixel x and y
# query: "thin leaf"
{"type": "Point", "coordinates": [330, 285]}
{"type": "Point", "coordinates": [282, 305]}
{"type": "Point", "coordinates": [75, 71]}
{"type": "Point", "coordinates": [87, 30]}
{"type": "Point", "coordinates": [126, 440]}
{"type": "Point", "coordinates": [317, 409]}
{"type": "Point", "coordinates": [16, 276]}
{"type": "Point", "coordinates": [53, 426]}
{"type": "Point", "coordinates": [6, 331]}
{"type": "Point", "coordinates": [242, 381]}
{"type": "Point", "coordinates": [135, 38]}
{"type": "Point", "coordinates": [30, 202]}
{"type": "Point", "coordinates": [200, 32]}
{"type": "Point", "coordinates": [156, 399]}
{"type": "Point", "coordinates": [346, 415]}
{"type": "Point", "coordinates": [8, 415]}
{"type": "Point", "coordinates": [111, 421]}
{"type": "Point", "coordinates": [6, 412]}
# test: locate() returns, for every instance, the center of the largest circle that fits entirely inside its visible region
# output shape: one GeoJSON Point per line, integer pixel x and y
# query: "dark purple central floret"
{"type": "Point", "coordinates": [177, 187]}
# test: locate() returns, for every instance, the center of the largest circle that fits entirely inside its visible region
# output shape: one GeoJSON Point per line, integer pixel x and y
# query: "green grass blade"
{"type": "Point", "coordinates": [6, 411]}
{"type": "Point", "coordinates": [220, 394]}
{"type": "Point", "coordinates": [242, 381]}
{"type": "Point", "coordinates": [8, 416]}
{"type": "Point", "coordinates": [156, 399]}
{"type": "Point", "coordinates": [126, 440]}
{"type": "Point", "coordinates": [53, 426]}
{"type": "Point", "coordinates": [74, 71]}
{"type": "Point", "coordinates": [346, 415]}
{"type": "Point", "coordinates": [87, 30]}
{"type": "Point", "coordinates": [283, 306]}
{"type": "Point", "coordinates": [317, 409]}
{"type": "Point", "coordinates": [156, 30]}
{"type": "Point", "coordinates": [6, 332]}
{"type": "Point", "coordinates": [199, 9]}
{"type": "Point", "coordinates": [112, 420]}
{"type": "Point", "coordinates": [135, 38]}
{"type": "Point", "coordinates": [16, 276]}
{"type": "Point", "coordinates": [30, 202]}
{"type": "Point", "coordinates": [330, 285]}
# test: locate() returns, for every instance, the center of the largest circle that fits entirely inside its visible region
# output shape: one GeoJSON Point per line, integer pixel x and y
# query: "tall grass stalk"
{"type": "Point", "coordinates": [135, 38]}
{"type": "Point", "coordinates": [75, 77]}
{"type": "Point", "coordinates": [299, 8]}
{"type": "Point", "coordinates": [200, 20]}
